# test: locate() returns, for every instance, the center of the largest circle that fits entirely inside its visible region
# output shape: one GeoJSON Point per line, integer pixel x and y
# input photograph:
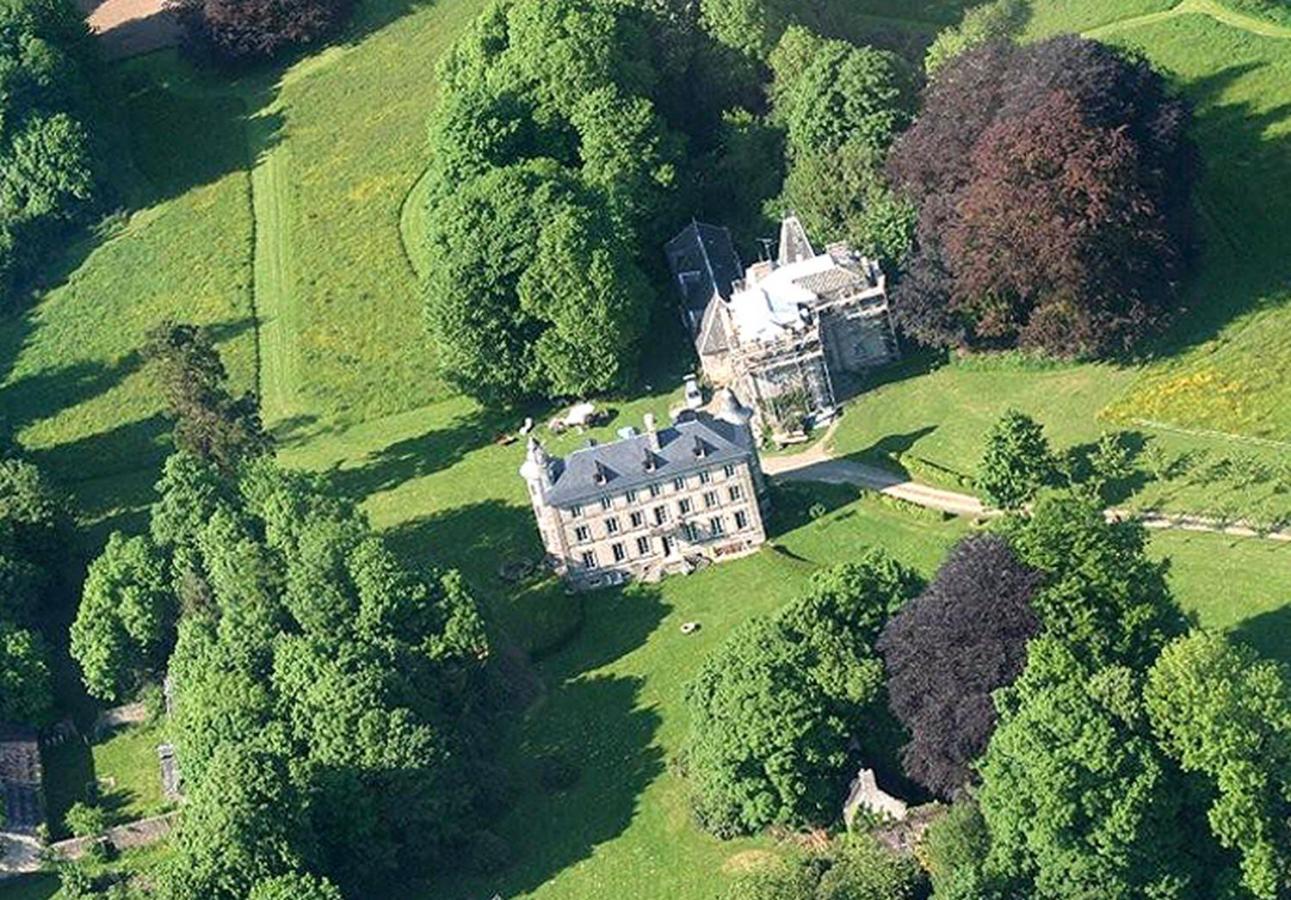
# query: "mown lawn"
{"type": "Point", "coordinates": [1217, 394]}
{"type": "Point", "coordinates": [71, 379]}
{"type": "Point", "coordinates": [120, 772]}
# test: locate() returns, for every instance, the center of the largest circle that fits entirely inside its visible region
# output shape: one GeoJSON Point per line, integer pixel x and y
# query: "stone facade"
{"type": "Point", "coordinates": [782, 332]}
{"type": "Point", "coordinates": [660, 501]}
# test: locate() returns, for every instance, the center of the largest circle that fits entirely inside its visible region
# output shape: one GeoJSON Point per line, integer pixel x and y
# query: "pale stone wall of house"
{"type": "Point", "coordinates": [629, 522]}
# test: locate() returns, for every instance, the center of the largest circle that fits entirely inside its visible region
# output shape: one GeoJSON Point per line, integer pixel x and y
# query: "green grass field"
{"type": "Point", "coordinates": [276, 201]}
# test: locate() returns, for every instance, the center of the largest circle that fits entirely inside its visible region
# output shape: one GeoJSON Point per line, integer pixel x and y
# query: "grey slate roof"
{"type": "Point", "coordinates": [709, 250]}
{"type": "Point", "coordinates": [621, 464]}
{"type": "Point", "coordinates": [20, 779]}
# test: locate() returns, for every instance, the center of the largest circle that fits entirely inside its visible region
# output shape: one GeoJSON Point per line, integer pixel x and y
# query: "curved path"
{"type": "Point", "coordinates": [1215, 10]}
{"type": "Point", "coordinates": [817, 464]}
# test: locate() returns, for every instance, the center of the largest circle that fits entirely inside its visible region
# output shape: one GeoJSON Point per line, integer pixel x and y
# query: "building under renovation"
{"type": "Point", "coordinates": [784, 331]}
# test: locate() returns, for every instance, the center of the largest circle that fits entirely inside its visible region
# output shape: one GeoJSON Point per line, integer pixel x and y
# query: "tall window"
{"type": "Point", "coordinates": [691, 532]}
{"type": "Point", "coordinates": [582, 534]}
{"type": "Point", "coordinates": [643, 546]}
{"type": "Point", "coordinates": [631, 496]}
{"type": "Point", "coordinates": [679, 482]}
{"type": "Point", "coordinates": [575, 512]}
{"type": "Point", "coordinates": [684, 506]}
{"type": "Point", "coordinates": [611, 525]}
{"type": "Point", "coordinates": [606, 503]}
{"type": "Point", "coordinates": [729, 470]}
{"type": "Point", "coordinates": [736, 492]}
{"type": "Point", "coordinates": [741, 519]}
{"type": "Point", "coordinates": [655, 490]}
{"type": "Point", "coordinates": [715, 526]}
{"type": "Point", "coordinates": [637, 518]}
{"type": "Point", "coordinates": [620, 552]}
{"type": "Point", "coordinates": [710, 499]}
{"type": "Point", "coordinates": [705, 477]}
{"type": "Point", "coordinates": [660, 515]}
{"type": "Point", "coordinates": [589, 559]}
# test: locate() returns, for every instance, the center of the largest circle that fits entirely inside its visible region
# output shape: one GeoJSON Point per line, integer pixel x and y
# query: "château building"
{"type": "Point", "coordinates": [784, 331]}
{"type": "Point", "coordinates": [663, 500]}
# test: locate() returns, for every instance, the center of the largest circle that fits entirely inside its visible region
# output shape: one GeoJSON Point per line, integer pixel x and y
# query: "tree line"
{"type": "Point", "coordinates": [1090, 739]}
{"type": "Point", "coordinates": [328, 701]}
{"type": "Point", "coordinates": [51, 153]}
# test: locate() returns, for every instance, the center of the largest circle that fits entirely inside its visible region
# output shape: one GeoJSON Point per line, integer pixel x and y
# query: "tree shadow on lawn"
{"type": "Point", "coordinates": [594, 721]}
{"type": "Point", "coordinates": [1243, 264]}
{"type": "Point", "coordinates": [1269, 632]}
{"type": "Point", "coordinates": [434, 450]}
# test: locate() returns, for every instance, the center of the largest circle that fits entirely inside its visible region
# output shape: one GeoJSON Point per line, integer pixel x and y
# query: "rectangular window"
{"type": "Point", "coordinates": [683, 506]}
{"type": "Point", "coordinates": [710, 499]}
{"type": "Point", "coordinates": [741, 520]}
{"type": "Point", "coordinates": [643, 546]}
{"type": "Point", "coordinates": [705, 477]}
{"type": "Point", "coordinates": [582, 534]}
{"type": "Point", "coordinates": [638, 519]}
{"type": "Point", "coordinates": [620, 552]}
{"type": "Point", "coordinates": [589, 559]}
{"type": "Point", "coordinates": [736, 492]}
{"type": "Point", "coordinates": [631, 496]}
{"type": "Point", "coordinates": [679, 483]}
{"type": "Point", "coordinates": [611, 525]}
{"type": "Point", "coordinates": [660, 515]}
{"type": "Point", "coordinates": [606, 503]}
{"type": "Point", "coordinates": [691, 533]}
{"type": "Point", "coordinates": [729, 470]}
{"type": "Point", "coordinates": [575, 512]}
{"type": "Point", "coordinates": [715, 526]}
{"type": "Point", "coordinates": [655, 489]}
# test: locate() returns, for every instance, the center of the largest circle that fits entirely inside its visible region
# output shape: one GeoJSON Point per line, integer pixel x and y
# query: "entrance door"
{"type": "Point", "coordinates": [669, 546]}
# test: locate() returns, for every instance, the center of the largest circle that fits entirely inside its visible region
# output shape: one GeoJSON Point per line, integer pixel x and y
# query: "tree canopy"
{"type": "Point", "coordinates": [774, 707]}
{"type": "Point", "coordinates": [327, 698]}
{"type": "Point", "coordinates": [552, 176]}
{"type": "Point", "coordinates": [949, 649]}
{"type": "Point", "coordinates": [239, 31]}
{"type": "Point", "coordinates": [209, 421]}
{"type": "Point", "coordinates": [1016, 463]}
{"type": "Point", "coordinates": [841, 106]}
{"type": "Point", "coordinates": [34, 526]}
{"type": "Point", "coordinates": [1224, 712]}
{"type": "Point", "coordinates": [49, 168]}
{"type": "Point", "coordinates": [1053, 183]}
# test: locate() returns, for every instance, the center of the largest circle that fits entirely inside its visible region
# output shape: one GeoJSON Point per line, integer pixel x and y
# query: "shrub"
{"type": "Point", "coordinates": [83, 820]}
{"type": "Point", "coordinates": [1016, 463]}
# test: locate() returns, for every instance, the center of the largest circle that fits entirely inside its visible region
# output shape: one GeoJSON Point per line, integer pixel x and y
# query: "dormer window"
{"type": "Point", "coordinates": [649, 463]}
{"type": "Point", "coordinates": [602, 476]}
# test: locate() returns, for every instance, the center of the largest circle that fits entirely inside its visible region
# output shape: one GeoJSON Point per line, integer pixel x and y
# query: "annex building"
{"type": "Point", "coordinates": [663, 500]}
{"type": "Point", "coordinates": [784, 331]}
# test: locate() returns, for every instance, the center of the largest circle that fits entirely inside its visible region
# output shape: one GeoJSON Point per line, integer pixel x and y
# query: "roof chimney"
{"type": "Point", "coordinates": [652, 432]}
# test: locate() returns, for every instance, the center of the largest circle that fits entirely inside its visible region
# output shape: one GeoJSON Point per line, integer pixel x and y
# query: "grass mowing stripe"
{"type": "Point", "coordinates": [274, 294]}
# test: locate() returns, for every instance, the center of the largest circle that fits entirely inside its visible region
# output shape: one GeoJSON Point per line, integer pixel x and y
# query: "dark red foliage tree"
{"type": "Point", "coordinates": [949, 648]}
{"type": "Point", "coordinates": [1053, 183]}
{"type": "Point", "coordinates": [242, 30]}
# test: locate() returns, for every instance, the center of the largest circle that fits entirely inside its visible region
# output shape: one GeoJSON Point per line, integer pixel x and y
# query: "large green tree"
{"type": "Point", "coordinates": [1225, 713]}
{"type": "Point", "coordinates": [1016, 462]}
{"type": "Point", "coordinates": [352, 684]}
{"type": "Point", "coordinates": [552, 175]}
{"type": "Point", "coordinates": [841, 106]}
{"type": "Point", "coordinates": [48, 166]}
{"type": "Point", "coordinates": [122, 628]}
{"type": "Point", "coordinates": [1101, 591]}
{"type": "Point", "coordinates": [774, 707]}
{"type": "Point", "coordinates": [1078, 799]}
